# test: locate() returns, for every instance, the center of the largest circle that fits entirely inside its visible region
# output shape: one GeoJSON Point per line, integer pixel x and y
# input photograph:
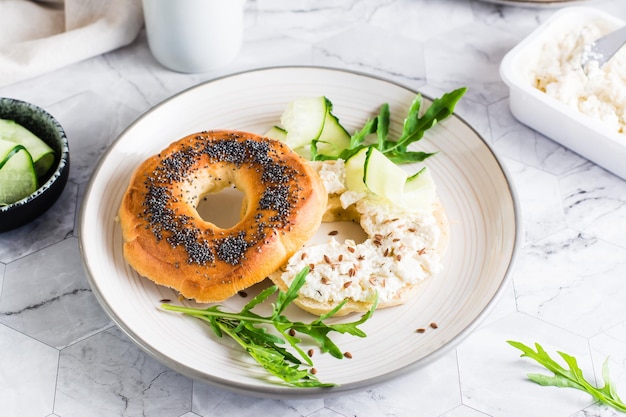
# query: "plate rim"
{"type": "Point", "coordinates": [281, 391]}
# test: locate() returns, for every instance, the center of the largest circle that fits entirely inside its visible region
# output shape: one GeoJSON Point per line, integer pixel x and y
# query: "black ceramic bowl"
{"type": "Point", "coordinates": [47, 128]}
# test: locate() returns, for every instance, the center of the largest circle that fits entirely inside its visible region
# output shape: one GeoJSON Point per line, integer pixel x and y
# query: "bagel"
{"type": "Point", "coordinates": [403, 250]}
{"type": "Point", "coordinates": [166, 240]}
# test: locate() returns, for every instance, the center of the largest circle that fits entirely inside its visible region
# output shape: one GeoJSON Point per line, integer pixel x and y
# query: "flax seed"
{"type": "Point", "coordinates": [327, 259]}
{"type": "Point", "coordinates": [347, 284]}
{"type": "Point", "coordinates": [311, 267]}
{"type": "Point", "coordinates": [340, 258]}
{"type": "Point", "coordinates": [310, 353]}
{"type": "Point", "coordinates": [303, 255]}
{"type": "Point", "coordinates": [348, 355]}
{"type": "Point", "coordinates": [386, 252]}
{"type": "Point", "coordinates": [333, 233]}
{"type": "Point", "coordinates": [433, 325]}
{"type": "Point", "coordinates": [292, 332]}
{"type": "Point", "coordinates": [398, 258]}
{"type": "Point", "coordinates": [351, 272]}
{"type": "Point", "coordinates": [420, 330]}
{"type": "Point", "coordinates": [313, 371]}
{"type": "Point", "coordinates": [324, 280]}
{"type": "Point", "coordinates": [351, 249]}
{"type": "Point", "coordinates": [412, 230]}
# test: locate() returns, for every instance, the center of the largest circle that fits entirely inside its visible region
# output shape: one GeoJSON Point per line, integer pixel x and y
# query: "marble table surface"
{"type": "Point", "coordinates": [61, 355]}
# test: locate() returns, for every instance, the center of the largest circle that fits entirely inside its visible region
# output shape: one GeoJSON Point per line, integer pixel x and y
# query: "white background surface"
{"type": "Point", "coordinates": [62, 356]}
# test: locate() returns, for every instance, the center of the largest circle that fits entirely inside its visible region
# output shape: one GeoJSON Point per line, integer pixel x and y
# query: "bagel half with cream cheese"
{"type": "Point", "coordinates": [403, 250]}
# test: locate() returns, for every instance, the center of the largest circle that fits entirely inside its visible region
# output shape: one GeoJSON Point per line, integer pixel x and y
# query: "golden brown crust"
{"type": "Point", "coordinates": [167, 241]}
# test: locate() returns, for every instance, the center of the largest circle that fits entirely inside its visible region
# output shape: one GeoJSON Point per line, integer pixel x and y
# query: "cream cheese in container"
{"type": "Point", "coordinates": [550, 92]}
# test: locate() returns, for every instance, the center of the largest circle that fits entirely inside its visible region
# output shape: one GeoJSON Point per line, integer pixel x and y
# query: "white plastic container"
{"type": "Point", "coordinates": [587, 136]}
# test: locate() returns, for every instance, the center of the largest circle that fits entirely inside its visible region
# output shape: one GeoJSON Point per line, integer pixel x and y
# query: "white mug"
{"type": "Point", "coordinates": [194, 35]}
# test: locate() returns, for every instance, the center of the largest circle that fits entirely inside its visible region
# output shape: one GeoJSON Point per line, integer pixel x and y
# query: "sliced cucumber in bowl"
{"type": "Point", "coordinates": [40, 152]}
{"type": "Point", "coordinates": [18, 178]}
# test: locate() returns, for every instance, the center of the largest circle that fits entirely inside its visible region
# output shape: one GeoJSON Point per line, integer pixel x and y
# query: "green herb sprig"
{"type": "Point", "coordinates": [413, 129]}
{"type": "Point", "coordinates": [250, 331]}
{"type": "Point", "coordinates": [572, 377]}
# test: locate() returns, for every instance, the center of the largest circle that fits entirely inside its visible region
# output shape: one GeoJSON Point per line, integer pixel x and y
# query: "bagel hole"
{"type": "Point", "coordinates": [340, 231]}
{"type": "Point", "coordinates": [222, 208]}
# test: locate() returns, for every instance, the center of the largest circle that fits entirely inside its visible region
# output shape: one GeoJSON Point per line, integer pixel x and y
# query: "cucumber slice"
{"type": "Point", "coordinates": [355, 170]}
{"type": "Point", "coordinates": [277, 132]}
{"type": "Point", "coordinates": [307, 121]}
{"type": "Point", "coordinates": [383, 177]}
{"type": "Point", "coordinates": [334, 137]}
{"type": "Point", "coordinates": [41, 153]}
{"type": "Point", "coordinates": [17, 173]}
{"type": "Point", "coordinates": [303, 119]}
{"type": "Point", "coordinates": [369, 170]}
{"type": "Point", "coordinates": [420, 191]}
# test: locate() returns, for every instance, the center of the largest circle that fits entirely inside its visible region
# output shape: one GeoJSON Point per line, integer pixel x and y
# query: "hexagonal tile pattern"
{"type": "Point", "coordinates": [595, 202]}
{"type": "Point", "coordinates": [61, 356]}
{"type": "Point", "coordinates": [28, 375]}
{"type": "Point", "coordinates": [450, 64]}
{"type": "Point", "coordinates": [520, 143]}
{"type": "Point", "coordinates": [432, 390]}
{"type": "Point", "coordinates": [89, 134]}
{"type": "Point", "coordinates": [541, 207]}
{"type": "Point", "coordinates": [212, 401]}
{"type": "Point", "coordinates": [53, 226]}
{"type": "Point", "coordinates": [399, 59]}
{"type": "Point", "coordinates": [485, 377]}
{"type": "Point", "coordinates": [549, 280]}
{"type": "Point", "coordinates": [46, 295]}
{"type": "Point", "coordinates": [106, 374]}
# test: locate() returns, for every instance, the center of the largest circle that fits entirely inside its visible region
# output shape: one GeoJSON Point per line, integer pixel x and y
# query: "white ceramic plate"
{"type": "Point", "coordinates": [472, 185]}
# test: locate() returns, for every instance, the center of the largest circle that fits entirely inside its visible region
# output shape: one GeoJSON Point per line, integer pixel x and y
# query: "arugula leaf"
{"type": "Point", "coordinates": [250, 331]}
{"type": "Point", "coordinates": [383, 127]}
{"type": "Point", "coordinates": [413, 129]}
{"type": "Point", "coordinates": [572, 377]}
{"type": "Point", "coordinates": [415, 125]}
{"type": "Point", "coordinates": [359, 137]}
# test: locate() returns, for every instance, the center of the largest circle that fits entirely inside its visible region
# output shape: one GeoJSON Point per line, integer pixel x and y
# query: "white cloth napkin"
{"type": "Point", "coordinates": [38, 36]}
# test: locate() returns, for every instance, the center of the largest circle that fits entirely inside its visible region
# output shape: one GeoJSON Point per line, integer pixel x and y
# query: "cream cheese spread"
{"type": "Point", "coordinates": [399, 252]}
{"type": "Point", "coordinates": [600, 94]}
